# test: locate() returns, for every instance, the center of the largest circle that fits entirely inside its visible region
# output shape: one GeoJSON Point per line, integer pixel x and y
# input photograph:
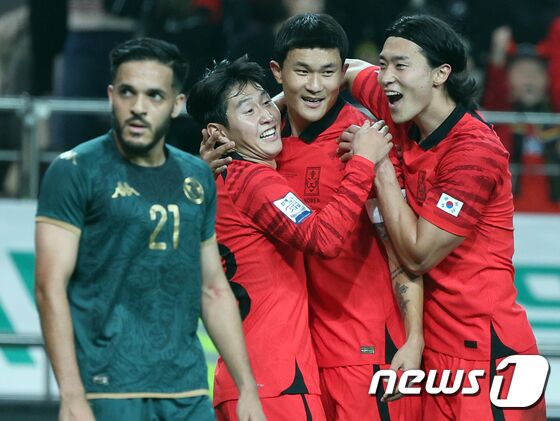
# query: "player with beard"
{"type": "Point", "coordinates": [127, 260]}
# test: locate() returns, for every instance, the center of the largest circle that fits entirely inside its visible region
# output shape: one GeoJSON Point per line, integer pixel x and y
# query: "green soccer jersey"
{"type": "Point", "coordinates": [135, 293]}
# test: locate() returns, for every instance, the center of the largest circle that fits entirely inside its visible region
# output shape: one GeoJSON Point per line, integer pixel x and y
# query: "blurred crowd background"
{"type": "Point", "coordinates": [59, 48]}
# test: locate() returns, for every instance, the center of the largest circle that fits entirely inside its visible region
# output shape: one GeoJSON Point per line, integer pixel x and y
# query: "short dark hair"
{"type": "Point", "coordinates": [207, 102]}
{"type": "Point", "coordinates": [310, 30]}
{"type": "Point", "coordinates": [440, 44]}
{"type": "Point", "coordinates": [150, 49]}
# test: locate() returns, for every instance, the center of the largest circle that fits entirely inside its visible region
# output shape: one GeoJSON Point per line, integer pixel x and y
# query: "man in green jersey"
{"type": "Point", "coordinates": [127, 260]}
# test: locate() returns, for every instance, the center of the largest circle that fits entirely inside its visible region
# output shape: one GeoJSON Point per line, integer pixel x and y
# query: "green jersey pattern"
{"type": "Point", "coordinates": [136, 290]}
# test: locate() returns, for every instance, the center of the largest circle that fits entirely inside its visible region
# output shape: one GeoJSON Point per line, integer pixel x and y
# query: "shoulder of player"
{"type": "Point", "coordinates": [474, 136]}
{"type": "Point", "coordinates": [349, 114]}
{"type": "Point", "coordinates": [188, 159]}
{"type": "Point", "coordinates": [85, 155]}
{"type": "Point", "coordinates": [244, 176]}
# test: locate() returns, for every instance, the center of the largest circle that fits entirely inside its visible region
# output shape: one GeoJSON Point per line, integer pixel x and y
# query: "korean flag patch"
{"type": "Point", "coordinates": [449, 204]}
{"type": "Point", "coordinates": [293, 208]}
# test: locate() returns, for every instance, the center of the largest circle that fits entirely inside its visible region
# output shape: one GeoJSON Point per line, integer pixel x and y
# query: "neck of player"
{"type": "Point", "coordinates": [155, 157]}
{"type": "Point", "coordinates": [434, 114]}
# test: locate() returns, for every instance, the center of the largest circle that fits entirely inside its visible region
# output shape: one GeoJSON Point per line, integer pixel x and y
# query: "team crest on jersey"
{"type": "Point", "coordinates": [293, 208]}
{"type": "Point", "coordinates": [123, 189]}
{"type": "Point", "coordinates": [193, 190]}
{"type": "Point", "coordinates": [69, 156]}
{"type": "Point", "coordinates": [312, 175]}
{"type": "Point", "coordinates": [449, 204]}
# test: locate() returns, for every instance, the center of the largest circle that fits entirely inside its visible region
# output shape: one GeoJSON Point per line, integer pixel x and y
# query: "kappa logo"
{"type": "Point", "coordinates": [193, 190]}
{"type": "Point", "coordinates": [123, 189]}
{"type": "Point", "coordinates": [312, 175]}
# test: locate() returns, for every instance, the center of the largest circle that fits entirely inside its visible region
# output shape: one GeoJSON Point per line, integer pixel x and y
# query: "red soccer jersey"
{"type": "Point", "coordinates": [354, 317]}
{"type": "Point", "coordinates": [261, 224]}
{"type": "Point", "coordinates": [459, 180]}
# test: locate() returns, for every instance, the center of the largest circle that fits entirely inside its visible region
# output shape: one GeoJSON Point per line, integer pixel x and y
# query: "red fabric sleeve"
{"type": "Point", "coordinates": [368, 92]}
{"type": "Point", "coordinates": [469, 174]}
{"type": "Point", "coordinates": [256, 189]}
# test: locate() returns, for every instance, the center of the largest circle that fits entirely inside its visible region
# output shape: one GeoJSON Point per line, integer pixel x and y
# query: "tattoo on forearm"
{"type": "Point", "coordinates": [401, 299]}
{"type": "Point", "coordinates": [397, 271]}
{"type": "Point", "coordinates": [400, 270]}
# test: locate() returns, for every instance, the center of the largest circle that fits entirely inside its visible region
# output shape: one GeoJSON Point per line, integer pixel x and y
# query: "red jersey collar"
{"type": "Point", "coordinates": [441, 132]}
{"type": "Point", "coordinates": [317, 127]}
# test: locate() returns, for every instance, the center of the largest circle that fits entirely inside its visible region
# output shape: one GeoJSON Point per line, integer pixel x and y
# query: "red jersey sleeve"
{"type": "Point", "coordinates": [368, 92]}
{"type": "Point", "coordinates": [264, 196]}
{"type": "Point", "coordinates": [465, 180]}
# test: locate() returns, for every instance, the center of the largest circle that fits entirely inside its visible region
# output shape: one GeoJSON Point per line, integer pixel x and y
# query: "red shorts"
{"type": "Point", "coordinates": [474, 407]}
{"type": "Point", "coordinates": [345, 396]}
{"type": "Point", "coordinates": [279, 408]}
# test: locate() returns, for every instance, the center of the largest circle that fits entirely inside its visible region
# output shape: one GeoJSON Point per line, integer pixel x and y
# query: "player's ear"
{"type": "Point", "coordinates": [215, 127]}
{"type": "Point", "coordinates": [178, 105]}
{"type": "Point", "coordinates": [441, 74]}
{"type": "Point", "coordinates": [276, 71]}
{"type": "Point", "coordinates": [110, 89]}
{"type": "Point", "coordinates": [344, 68]}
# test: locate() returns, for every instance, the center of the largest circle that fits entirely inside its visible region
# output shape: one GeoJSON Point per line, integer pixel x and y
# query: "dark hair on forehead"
{"type": "Point", "coordinates": [150, 49]}
{"type": "Point", "coordinates": [310, 30]}
{"type": "Point", "coordinates": [440, 44]}
{"type": "Point", "coordinates": [207, 100]}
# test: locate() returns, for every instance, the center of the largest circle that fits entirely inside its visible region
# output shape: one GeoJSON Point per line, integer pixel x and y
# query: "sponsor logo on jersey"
{"type": "Point", "coordinates": [312, 175]}
{"type": "Point", "coordinates": [293, 208]}
{"type": "Point", "coordinates": [193, 190]}
{"type": "Point", "coordinates": [123, 189]}
{"type": "Point", "coordinates": [449, 204]}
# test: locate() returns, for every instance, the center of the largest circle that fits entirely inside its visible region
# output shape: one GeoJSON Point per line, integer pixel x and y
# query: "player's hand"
{"type": "Point", "coordinates": [408, 357]}
{"type": "Point", "coordinates": [212, 154]}
{"type": "Point", "coordinates": [501, 39]}
{"type": "Point", "coordinates": [75, 409]}
{"type": "Point", "coordinates": [344, 150]}
{"type": "Point", "coordinates": [373, 141]}
{"type": "Point", "coordinates": [249, 407]}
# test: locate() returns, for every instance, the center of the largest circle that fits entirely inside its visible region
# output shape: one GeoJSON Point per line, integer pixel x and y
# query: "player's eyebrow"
{"type": "Point", "coordinates": [243, 101]}
{"type": "Point", "coordinates": [394, 58]}
{"type": "Point", "coordinates": [309, 67]}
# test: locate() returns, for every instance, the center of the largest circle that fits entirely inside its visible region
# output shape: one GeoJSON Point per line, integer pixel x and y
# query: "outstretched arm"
{"type": "Point", "coordinates": [266, 198]}
{"type": "Point", "coordinates": [220, 316]}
